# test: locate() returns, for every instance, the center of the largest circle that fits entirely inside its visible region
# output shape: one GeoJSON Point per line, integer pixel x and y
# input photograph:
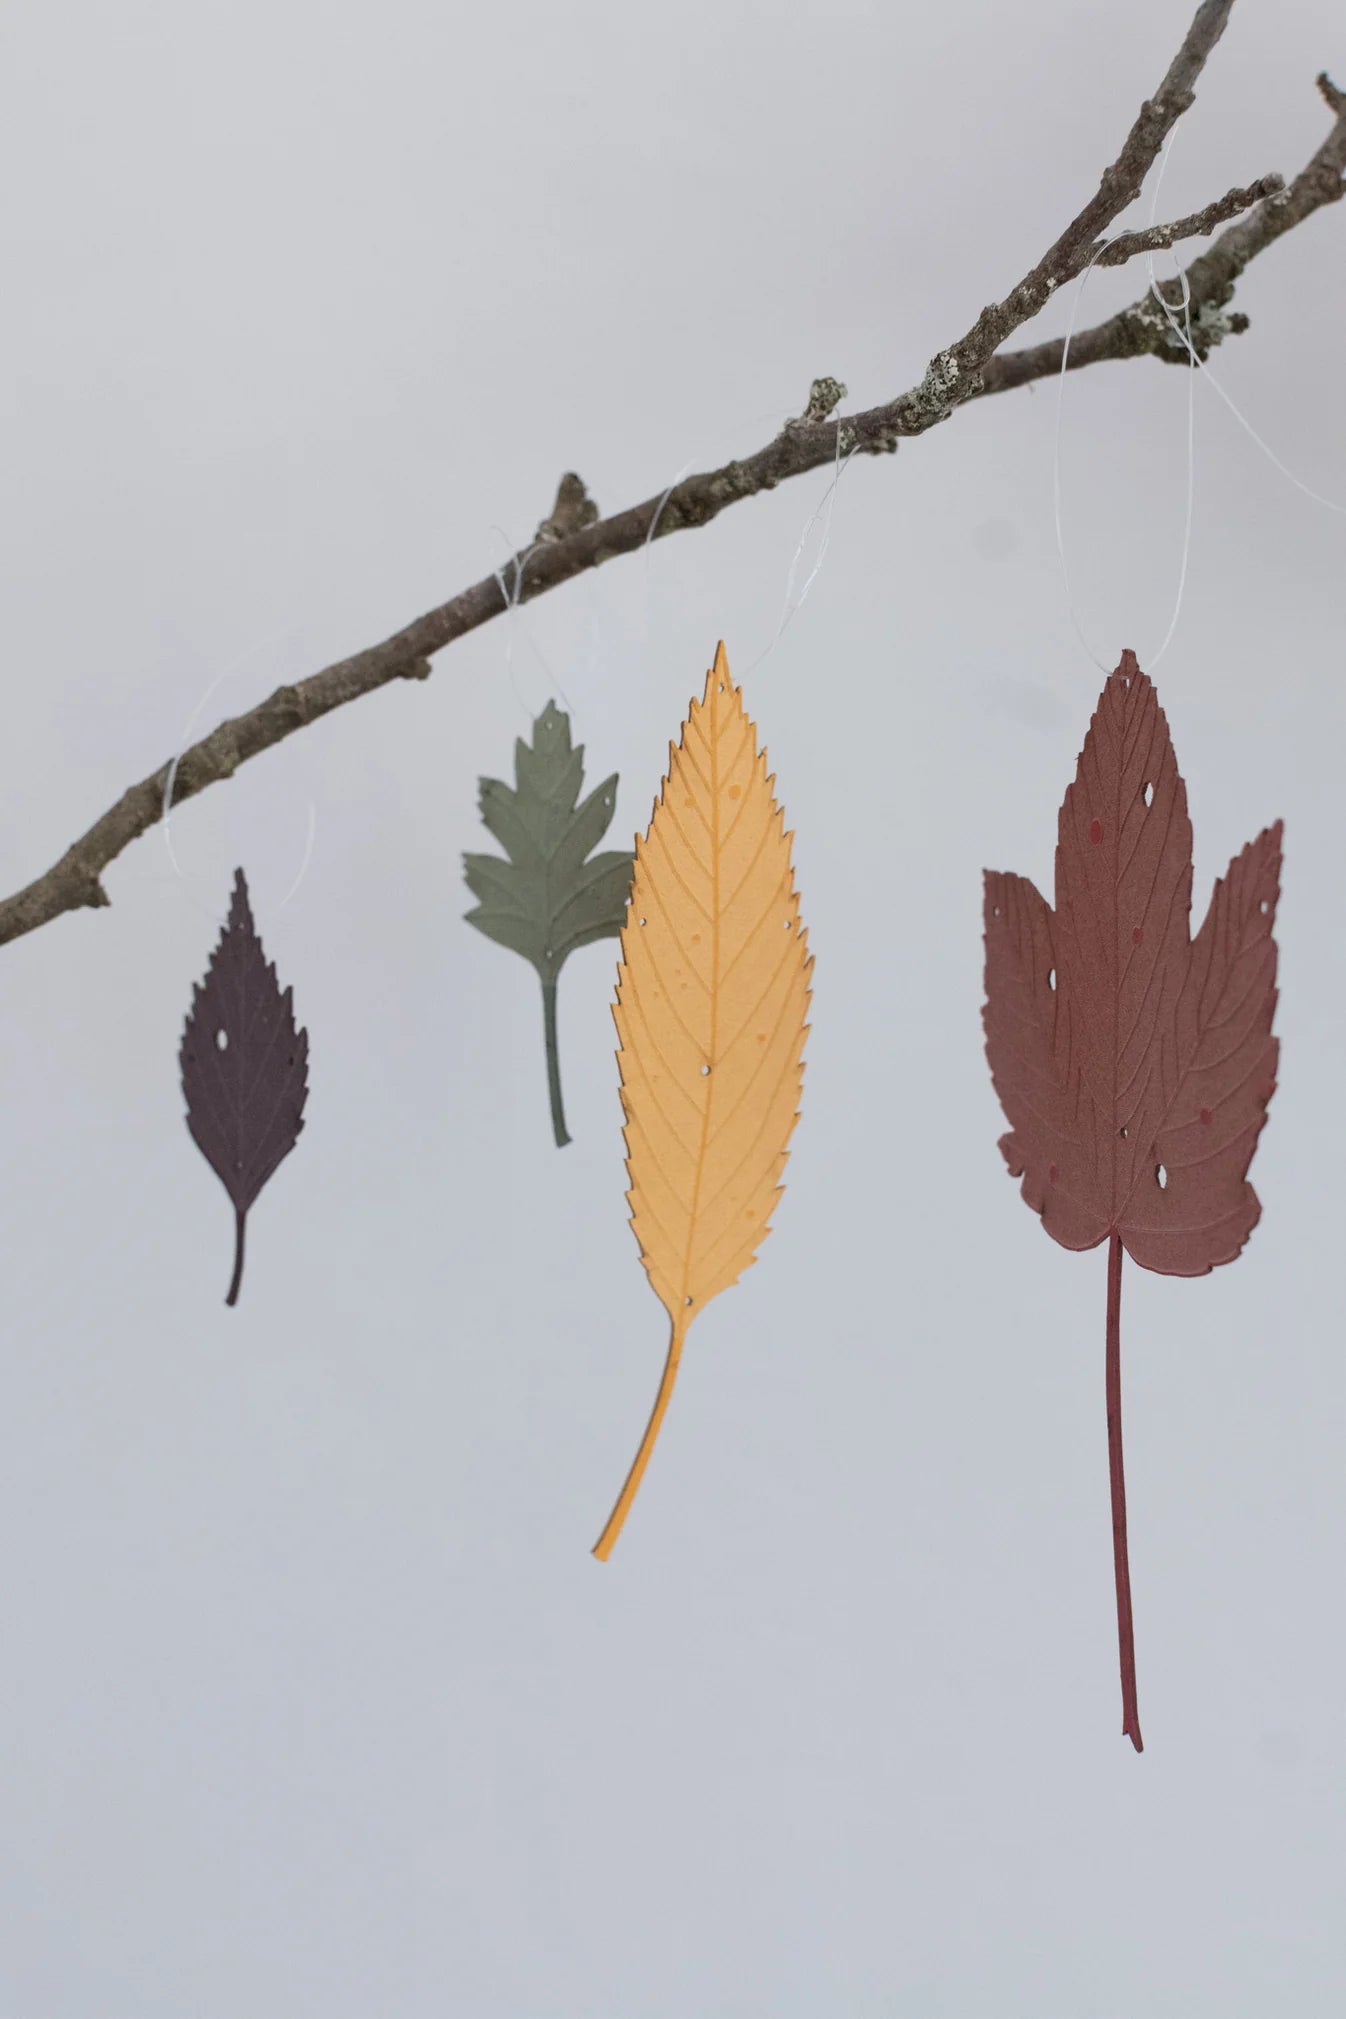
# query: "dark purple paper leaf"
{"type": "Point", "coordinates": [244, 1067]}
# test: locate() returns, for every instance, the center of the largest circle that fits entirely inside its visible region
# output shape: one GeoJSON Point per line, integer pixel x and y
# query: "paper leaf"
{"type": "Point", "coordinates": [547, 899]}
{"type": "Point", "coordinates": [244, 1067]}
{"type": "Point", "coordinates": [1134, 1064]}
{"type": "Point", "coordinates": [712, 993]}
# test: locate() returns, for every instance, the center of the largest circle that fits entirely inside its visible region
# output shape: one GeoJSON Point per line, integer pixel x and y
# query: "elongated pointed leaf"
{"type": "Point", "coordinates": [552, 895]}
{"type": "Point", "coordinates": [244, 1067]}
{"type": "Point", "coordinates": [712, 996]}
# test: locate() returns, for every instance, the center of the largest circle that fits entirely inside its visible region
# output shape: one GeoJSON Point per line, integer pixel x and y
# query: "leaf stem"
{"type": "Point", "coordinates": [1125, 1639]}
{"type": "Point", "coordinates": [558, 1116]}
{"type": "Point", "coordinates": [603, 1547]}
{"type": "Point", "coordinates": [240, 1216]}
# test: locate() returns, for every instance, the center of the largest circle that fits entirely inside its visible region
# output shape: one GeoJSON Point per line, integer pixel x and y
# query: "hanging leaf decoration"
{"type": "Point", "coordinates": [1134, 1064]}
{"type": "Point", "coordinates": [712, 993]}
{"type": "Point", "coordinates": [244, 1067]}
{"type": "Point", "coordinates": [548, 899]}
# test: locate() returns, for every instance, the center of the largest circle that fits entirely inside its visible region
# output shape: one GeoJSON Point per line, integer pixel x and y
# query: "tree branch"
{"type": "Point", "coordinates": [573, 538]}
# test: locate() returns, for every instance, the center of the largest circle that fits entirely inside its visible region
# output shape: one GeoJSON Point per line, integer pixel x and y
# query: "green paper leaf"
{"type": "Point", "coordinates": [552, 895]}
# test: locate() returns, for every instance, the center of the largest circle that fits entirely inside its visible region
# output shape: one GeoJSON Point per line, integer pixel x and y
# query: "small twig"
{"type": "Point", "coordinates": [573, 511]}
{"type": "Point", "coordinates": [825, 395]}
{"type": "Point", "coordinates": [1158, 237]}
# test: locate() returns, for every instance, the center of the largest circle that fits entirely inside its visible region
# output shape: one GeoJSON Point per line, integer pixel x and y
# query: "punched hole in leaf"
{"type": "Point", "coordinates": [1265, 906]}
{"type": "Point", "coordinates": [1051, 977]}
{"type": "Point", "coordinates": [1122, 1133]}
{"type": "Point", "coordinates": [704, 1071]}
{"type": "Point", "coordinates": [221, 1041]}
{"type": "Point", "coordinates": [640, 921]}
{"type": "Point", "coordinates": [1148, 795]}
{"type": "Point", "coordinates": [1160, 1177]}
{"type": "Point", "coordinates": [686, 1300]}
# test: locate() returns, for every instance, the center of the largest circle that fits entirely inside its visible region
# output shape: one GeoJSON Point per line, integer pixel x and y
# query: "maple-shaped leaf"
{"type": "Point", "coordinates": [1133, 1062]}
{"type": "Point", "coordinates": [244, 1067]}
{"type": "Point", "coordinates": [552, 895]}
{"type": "Point", "coordinates": [712, 997]}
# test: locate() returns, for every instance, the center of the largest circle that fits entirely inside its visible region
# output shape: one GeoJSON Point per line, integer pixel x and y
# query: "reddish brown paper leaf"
{"type": "Point", "coordinates": [1135, 1087]}
{"type": "Point", "coordinates": [244, 1067]}
{"type": "Point", "coordinates": [1134, 1063]}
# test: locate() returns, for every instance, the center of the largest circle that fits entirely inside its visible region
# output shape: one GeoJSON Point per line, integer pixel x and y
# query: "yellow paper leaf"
{"type": "Point", "coordinates": [712, 993]}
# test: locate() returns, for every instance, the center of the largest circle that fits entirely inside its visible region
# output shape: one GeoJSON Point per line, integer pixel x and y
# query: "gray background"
{"type": "Point", "coordinates": [312, 1698]}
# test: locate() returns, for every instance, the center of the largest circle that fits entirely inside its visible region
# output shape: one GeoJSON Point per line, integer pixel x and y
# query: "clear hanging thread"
{"type": "Point", "coordinates": [1182, 331]}
{"type": "Point", "coordinates": [183, 876]}
{"type": "Point", "coordinates": [1152, 659]}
